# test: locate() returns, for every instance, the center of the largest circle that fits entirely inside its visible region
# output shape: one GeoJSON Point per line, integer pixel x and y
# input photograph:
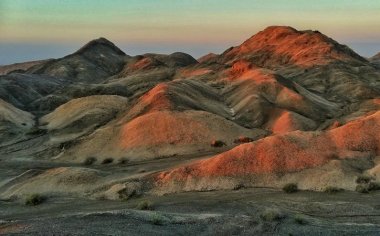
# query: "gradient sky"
{"type": "Point", "coordinates": [37, 29]}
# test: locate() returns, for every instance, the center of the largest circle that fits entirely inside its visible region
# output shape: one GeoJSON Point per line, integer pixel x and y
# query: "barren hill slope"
{"type": "Point", "coordinates": [282, 45]}
{"type": "Point", "coordinates": [284, 106]}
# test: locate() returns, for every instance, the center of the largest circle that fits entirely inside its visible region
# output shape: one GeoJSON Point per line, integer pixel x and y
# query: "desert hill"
{"type": "Point", "coordinates": [96, 60]}
{"type": "Point", "coordinates": [282, 45]}
{"type": "Point", "coordinates": [19, 67]}
{"type": "Point", "coordinates": [285, 105]}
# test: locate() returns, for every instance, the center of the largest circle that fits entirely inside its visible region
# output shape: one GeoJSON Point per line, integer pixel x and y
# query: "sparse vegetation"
{"type": "Point", "coordinates": [373, 186]}
{"type": "Point", "coordinates": [217, 143]}
{"type": "Point", "coordinates": [125, 195]}
{"type": "Point", "coordinates": [34, 200]}
{"type": "Point", "coordinates": [89, 161]}
{"type": "Point", "coordinates": [243, 139]}
{"type": "Point", "coordinates": [145, 205]}
{"type": "Point", "coordinates": [290, 188]}
{"type": "Point", "coordinates": [239, 186]}
{"type": "Point", "coordinates": [123, 161]}
{"type": "Point", "coordinates": [272, 215]}
{"type": "Point", "coordinates": [107, 161]}
{"type": "Point", "coordinates": [157, 219]}
{"type": "Point", "coordinates": [299, 219]}
{"type": "Point", "coordinates": [367, 187]}
{"type": "Point", "coordinates": [366, 184]}
{"type": "Point", "coordinates": [363, 179]}
{"type": "Point", "coordinates": [362, 188]}
{"type": "Point", "coordinates": [331, 189]}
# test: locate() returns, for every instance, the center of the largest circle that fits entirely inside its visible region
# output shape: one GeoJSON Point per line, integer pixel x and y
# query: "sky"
{"type": "Point", "coordinates": [40, 29]}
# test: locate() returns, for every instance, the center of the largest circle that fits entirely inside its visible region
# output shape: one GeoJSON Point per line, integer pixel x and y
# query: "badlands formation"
{"type": "Point", "coordinates": [285, 106]}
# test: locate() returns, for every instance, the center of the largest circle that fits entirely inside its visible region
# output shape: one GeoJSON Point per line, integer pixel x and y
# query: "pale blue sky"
{"type": "Point", "coordinates": [35, 29]}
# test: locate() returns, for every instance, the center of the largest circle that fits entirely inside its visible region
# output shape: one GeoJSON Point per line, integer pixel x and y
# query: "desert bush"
{"type": "Point", "coordinates": [290, 188]}
{"type": "Point", "coordinates": [34, 199]}
{"type": "Point", "coordinates": [299, 219]}
{"type": "Point", "coordinates": [145, 205]}
{"type": "Point", "coordinates": [125, 195]}
{"type": "Point", "coordinates": [123, 161]}
{"type": "Point", "coordinates": [89, 161]}
{"type": "Point", "coordinates": [217, 143]}
{"type": "Point", "coordinates": [107, 161]}
{"type": "Point", "coordinates": [331, 189]}
{"type": "Point", "coordinates": [239, 186]}
{"type": "Point", "coordinates": [363, 179]}
{"type": "Point", "coordinates": [362, 188]}
{"type": "Point", "coordinates": [373, 186]}
{"type": "Point", "coordinates": [243, 139]}
{"type": "Point", "coordinates": [272, 215]}
{"type": "Point", "coordinates": [157, 219]}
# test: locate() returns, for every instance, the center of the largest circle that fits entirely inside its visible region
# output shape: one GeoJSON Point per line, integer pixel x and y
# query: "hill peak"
{"type": "Point", "coordinates": [279, 29]}
{"type": "Point", "coordinates": [284, 45]}
{"type": "Point", "coordinates": [100, 42]}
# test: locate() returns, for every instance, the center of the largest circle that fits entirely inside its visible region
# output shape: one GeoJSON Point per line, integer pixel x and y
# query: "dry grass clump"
{"type": "Point", "coordinates": [363, 179]}
{"type": "Point", "coordinates": [157, 219]}
{"type": "Point", "coordinates": [145, 205]}
{"type": "Point", "coordinates": [107, 161]}
{"type": "Point", "coordinates": [290, 188]}
{"type": "Point", "coordinates": [366, 184]}
{"type": "Point", "coordinates": [89, 161]}
{"type": "Point", "coordinates": [332, 189]}
{"type": "Point", "coordinates": [272, 215]}
{"type": "Point", "coordinates": [34, 200]}
{"type": "Point", "coordinates": [362, 188]}
{"type": "Point", "coordinates": [243, 139]}
{"type": "Point", "coordinates": [373, 186]}
{"type": "Point", "coordinates": [299, 219]}
{"type": "Point", "coordinates": [217, 143]}
{"type": "Point", "coordinates": [123, 161]}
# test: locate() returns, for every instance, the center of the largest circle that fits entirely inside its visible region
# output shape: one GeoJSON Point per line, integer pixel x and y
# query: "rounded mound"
{"type": "Point", "coordinates": [281, 154]}
{"type": "Point", "coordinates": [168, 133]}
{"type": "Point", "coordinates": [84, 112]}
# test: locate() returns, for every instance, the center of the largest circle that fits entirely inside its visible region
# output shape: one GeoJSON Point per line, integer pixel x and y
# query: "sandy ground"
{"type": "Point", "coordinates": [240, 212]}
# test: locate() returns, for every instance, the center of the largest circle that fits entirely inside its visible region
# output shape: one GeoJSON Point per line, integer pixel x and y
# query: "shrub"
{"type": "Point", "coordinates": [34, 199]}
{"type": "Point", "coordinates": [243, 139]}
{"type": "Point", "coordinates": [107, 161]}
{"type": "Point", "coordinates": [145, 205]}
{"type": "Point", "coordinates": [272, 215]}
{"type": "Point", "coordinates": [123, 161]}
{"type": "Point", "coordinates": [89, 161]}
{"type": "Point", "coordinates": [290, 188]}
{"type": "Point", "coordinates": [362, 188]}
{"type": "Point", "coordinates": [299, 219]}
{"type": "Point", "coordinates": [157, 219]}
{"type": "Point", "coordinates": [331, 189]}
{"type": "Point", "coordinates": [363, 179]}
{"type": "Point", "coordinates": [217, 143]}
{"type": "Point", "coordinates": [373, 186]}
{"type": "Point", "coordinates": [239, 186]}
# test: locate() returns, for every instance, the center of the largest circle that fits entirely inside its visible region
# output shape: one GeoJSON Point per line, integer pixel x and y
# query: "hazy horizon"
{"type": "Point", "coordinates": [41, 29]}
